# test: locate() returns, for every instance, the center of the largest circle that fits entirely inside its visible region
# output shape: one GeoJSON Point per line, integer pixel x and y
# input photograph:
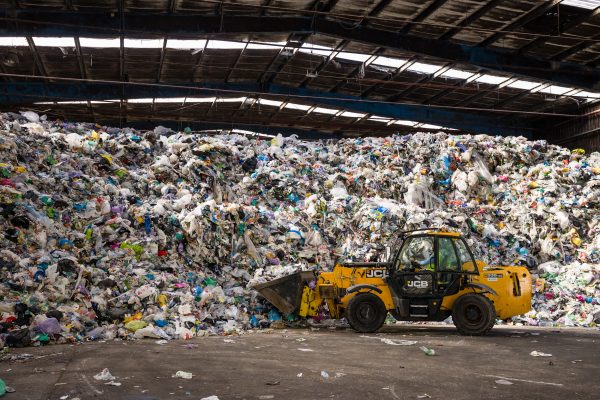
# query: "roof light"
{"type": "Point", "coordinates": [405, 123]}
{"type": "Point", "coordinates": [267, 102]}
{"type": "Point", "coordinates": [389, 62]}
{"type": "Point", "coordinates": [225, 44]}
{"type": "Point", "coordinates": [379, 118]}
{"type": "Point", "coordinates": [424, 68]}
{"type": "Point", "coordinates": [179, 44]}
{"type": "Point", "coordinates": [456, 74]}
{"type": "Point", "coordinates": [13, 41]}
{"type": "Point", "coordinates": [351, 114]}
{"type": "Point", "coordinates": [180, 100]}
{"type": "Point", "coordinates": [266, 46]}
{"type": "Point", "coordinates": [344, 55]}
{"type": "Point", "coordinates": [558, 90]}
{"type": "Point", "coordinates": [295, 106]}
{"type": "Point", "coordinates": [231, 99]}
{"type": "Point", "coordinates": [429, 126]}
{"type": "Point", "coordinates": [316, 49]}
{"type": "Point", "coordinates": [140, 101]}
{"type": "Point", "coordinates": [524, 85]}
{"type": "Point", "coordinates": [143, 43]}
{"type": "Point", "coordinates": [54, 41]}
{"type": "Point", "coordinates": [200, 99]}
{"type": "Point", "coordinates": [322, 110]}
{"type": "Point", "coordinates": [100, 43]}
{"type": "Point", "coordinates": [589, 4]}
{"type": "Point", "coordinates": [491, 79]}
{"type": "Point", "coordinates": [589, 95]}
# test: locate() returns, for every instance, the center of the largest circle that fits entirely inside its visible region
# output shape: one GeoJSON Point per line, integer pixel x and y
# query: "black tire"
{"type": "Point", "coordinates": [473, 314]}
{"type": "Point", "coordinates": [366, 313]}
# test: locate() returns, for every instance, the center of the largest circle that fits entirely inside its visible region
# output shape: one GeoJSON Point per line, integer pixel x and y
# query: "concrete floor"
{"type": "Point", "coordinates": [273, 366]}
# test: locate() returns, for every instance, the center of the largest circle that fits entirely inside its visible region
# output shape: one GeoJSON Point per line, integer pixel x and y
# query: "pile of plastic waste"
{"type": "Point", "coordinates": [111, 232]}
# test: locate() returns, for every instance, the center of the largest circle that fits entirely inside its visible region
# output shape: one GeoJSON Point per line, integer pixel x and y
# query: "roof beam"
{"type": "Point", "coordinates": [29, 92]}
{"type": "Point", "coordinates": [52, 23]}
{"type": "Point", "coordinates": [415, 85]}
{"type": "Point", "coordinates": [80, 58]}
{"type": "Point", "coordinates": [575, 49]}
{"type": "Point", "coordinates": [526, 18]}
{"type": "Point", "coordinates": [36, 57]}
{"type": "Point", "coordinates": [433, 7]}
{"type": "Point", "coordinates": [556, 30]}
{"type": "Point", "coordinates": [389, 77]}
{"type": "Point", "coordinates": [470, 19]}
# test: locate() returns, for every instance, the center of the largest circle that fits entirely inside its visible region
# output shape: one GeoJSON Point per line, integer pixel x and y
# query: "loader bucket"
{"type": "Point", "coordinates": [285, 293]}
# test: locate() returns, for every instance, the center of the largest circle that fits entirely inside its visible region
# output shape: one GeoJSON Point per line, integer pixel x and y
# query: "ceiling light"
{"type": "Point", "coordinates": [344, 55]}
{"type": "Point", "coordinates": [322, 110]}
{"type": "Point", "coordinates": [524, 85]}
{"type": "Point", "coordinates": [558, 90]}
{"type": "Point", "coordinates": [491, 79]}
{"type": "Point", "coordinates": [456, 74]}
{"type": "Point", "coordinates": [350, 114]}
{"type": "Point", "coordinates": [424, 68]}
{"type": "Point", "coordinates": [179, 44]}
{"type": "Point", "coordinates": [295, 106]}
{"type": "Point", "coordinates": [144, 43]}
{"type": "Point", "coordinates": [389, 62]}
{"type": "Point", "coordinates": [266, 102]}
{"type": "Point", "coordinates": [589, 4]}
{"type": "Point", "coordinates": [13, 41]}
{"type": "Point", "coordinates": [100, 43]}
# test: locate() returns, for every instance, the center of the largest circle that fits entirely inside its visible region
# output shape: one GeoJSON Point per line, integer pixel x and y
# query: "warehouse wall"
{"type": "Point", "coordinates": [582, 132]}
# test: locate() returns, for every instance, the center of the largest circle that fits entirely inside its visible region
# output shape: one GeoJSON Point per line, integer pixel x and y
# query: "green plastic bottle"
{"type": "Point", "coordinates": [2, 388]}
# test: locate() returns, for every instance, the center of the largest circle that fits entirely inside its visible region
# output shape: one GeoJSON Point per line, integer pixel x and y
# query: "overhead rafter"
{"type": "Point", "coordinates": [470, 19]}
{"type": "Point", "coordinates": [96, 25]}
{"type": "Point", "coordinates": [521, 21]}
{"type": "Point", "coordinates": [576, 48]}
{"type": "Point", "coordinates": [433, 7]}
{"type": "Point", "coordinates": [415, 85]}
{"type": "Point", "coordinates": [28, 92]}
{"type": "Point", "coordinates": [572, 24]}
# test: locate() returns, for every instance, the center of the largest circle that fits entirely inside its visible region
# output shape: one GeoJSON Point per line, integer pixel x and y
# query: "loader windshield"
{"type": "Point", "coordinates": [417, 254]}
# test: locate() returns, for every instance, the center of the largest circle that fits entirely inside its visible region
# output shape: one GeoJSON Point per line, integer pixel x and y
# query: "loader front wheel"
{"type": "Point", "coordinates": [366, 312]}
{"type": "Point", "coordinates": [473, 314]}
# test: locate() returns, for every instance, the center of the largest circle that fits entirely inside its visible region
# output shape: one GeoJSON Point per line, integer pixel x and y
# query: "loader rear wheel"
{"type": "Point", "coordinates": [366, 312]}
{"type": "Point", "coordinates": [473, 314]}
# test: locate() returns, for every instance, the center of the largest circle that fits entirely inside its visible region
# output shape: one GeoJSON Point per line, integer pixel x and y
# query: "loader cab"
{"type": "Point", "coordinates": [431, 265]}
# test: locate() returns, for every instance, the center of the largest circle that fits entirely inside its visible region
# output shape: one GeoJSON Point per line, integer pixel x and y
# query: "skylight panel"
{"type": "Point", "coordinates": [267, 102]}
{"type": "Point", "coordinates": [429, 126]}
{"type": "Point", "coordinates": [316, 49]}
{"type": "Point", "coordinates": [351, 114]}
{"type": "Point", "coordinates": [181, 44]}
{"type": "Point", "coordinates": [295, 106]}
{"type": "Point", "coordinates": [13, 41]}
{"type": "Point", "coordinates": [589, 95]}
{"type": "Point", "coordinates": [456, 74]}
{"type": "Point", "coordinates": [143, 43]}
{"type": "Point", "coordinates": [344, 55]}
{"type": "Point", "coordinates": [113, 43]}
{"type": "Point", "coordinates": [322, 110]}
{"type": "Point", "coordinates": [140, 101]}
{"type": "Point", "coordinates": [389, 62]}
{"type": "Point", "coordinates": [179, 100]}
{"type": "Point", "coordinates": [225, 45]}
{"type": "Point", "coordinates": [266, 46]}
{"type": "Point", "coordinates": [404, 122]}
{"type": "Point", "coordinates": [491, 79]}
{"type": "Point", "coordinates": [588, 4]}
{"type": "Point", "coordinates": [231, 99]}
{"type": "Point", "coordinates": [54, 41]}
{"type": "Point", "coordinates": [200, 99]}
{"type": "Point", "coordinates": [424, 68]}
{"type": "Point", "coordinates": [524, 85]}
{"type": "Point", "coordinates": [558, 90]}
{"type": "Point", "coordinates": [378, 118]}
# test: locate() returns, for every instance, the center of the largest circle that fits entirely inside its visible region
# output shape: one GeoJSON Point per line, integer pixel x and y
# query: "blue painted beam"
{"type": "Point", "coordinates": [24, 93]}
{"type": "Point", "coordinates": [93, 24]}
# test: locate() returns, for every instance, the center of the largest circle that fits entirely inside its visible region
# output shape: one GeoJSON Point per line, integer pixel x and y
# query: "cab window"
{"type": "Point", "coordinates": [465, 258]}
{"type": "Point", "coordinates": [447, 258]}
{"type": "Point", "coordinates": [417, 254]}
